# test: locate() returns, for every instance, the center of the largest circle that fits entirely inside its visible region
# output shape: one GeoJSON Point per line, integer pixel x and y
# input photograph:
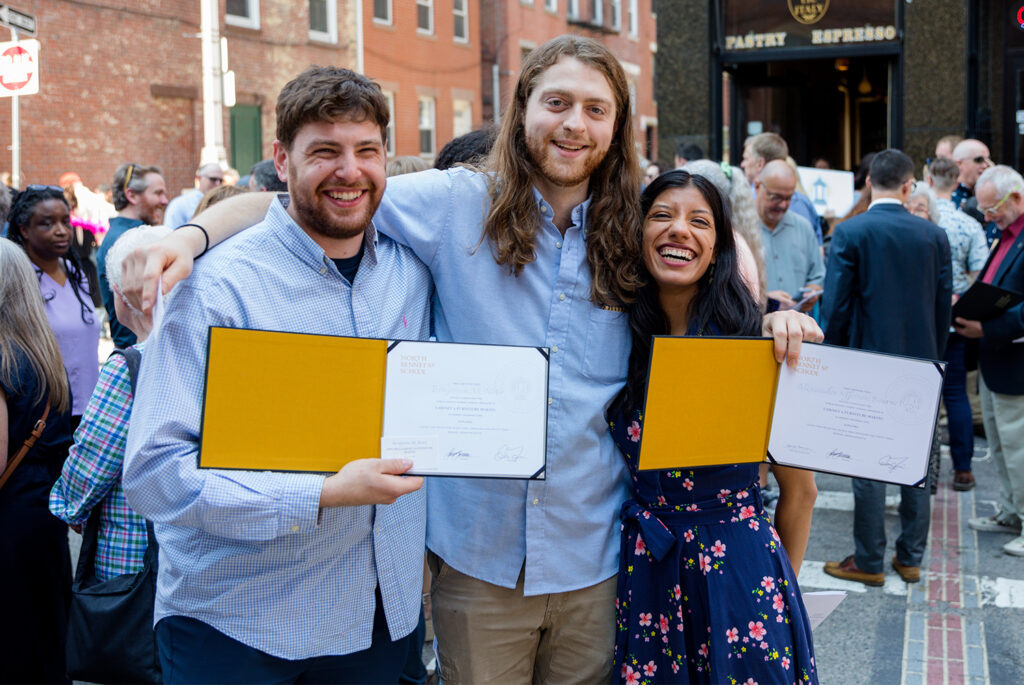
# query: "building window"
{"type": "Point", "coordinates": [616, 15]}
{"type": "Point", "coordinates": [632, 98]}
{"type": "Point", "coordinates": [244, 13]}
{"type": "Point", "coordinates": [597, 18]}
{"type": "Point", "coordinates": [633, 19]}
{"type": "Point", "coordinates": [425, 16]}
{"type": "Point", "coordinates": [551, 6]}
{"type": "Point", "coordinates": [428, 129]}
{"type": "Point", "coordinates": [462, 122]}
{"type": "Point", "coordinates": [461, 24]}
{"type": "Point", "coordinates": [574, 10]}
{"type": "Point", "coordinates": [390, 98]}
{"type": "Point", "coordinates": [382, 11]}
{"type": "Point", "coordinates": [524, 52]}
{"type": "Point", "coordinates": [323, 20]}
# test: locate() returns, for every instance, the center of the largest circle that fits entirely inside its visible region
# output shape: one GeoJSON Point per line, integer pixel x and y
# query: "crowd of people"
{"type": "Point", "coordinates": [547, 232]}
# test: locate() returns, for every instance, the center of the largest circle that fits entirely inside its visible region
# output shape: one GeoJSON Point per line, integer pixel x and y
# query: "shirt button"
{"type": "Point", "coordinates": [555, 348]}
{"type": "Point", "coordinates": [322, 271]}
{"type": "Point", "coordinates": [559, 244]}
{"type": "Point", "coordinates": [561, 297]}
{"type": "Point", "coordinates": [536, 500]}
{"type": "Point", "coordinates": [551, 400]}
{"type": "Point", "coordinates": [295, 529]}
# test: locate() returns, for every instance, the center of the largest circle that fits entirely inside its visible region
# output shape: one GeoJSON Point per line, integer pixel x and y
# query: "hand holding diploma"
{"type": "Point", "coordinates": [368, 481]}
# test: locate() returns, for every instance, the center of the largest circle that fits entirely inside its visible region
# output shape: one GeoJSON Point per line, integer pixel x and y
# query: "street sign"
{"type": "Point", "coordinates": [19, 68]}
{"type": "Point", "coordinates": [16, 19]}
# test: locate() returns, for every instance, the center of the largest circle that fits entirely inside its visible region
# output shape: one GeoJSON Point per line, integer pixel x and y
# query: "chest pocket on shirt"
{"type": "Point", "coordinates": [606, 351]}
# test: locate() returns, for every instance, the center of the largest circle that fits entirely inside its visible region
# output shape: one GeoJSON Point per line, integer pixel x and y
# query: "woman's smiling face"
{"type": "Point", "coordinates": [679, 238]}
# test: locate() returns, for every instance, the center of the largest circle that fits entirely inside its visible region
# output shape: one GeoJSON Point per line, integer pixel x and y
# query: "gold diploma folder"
{"type": "Point", "coordinates": [291, 401]}
{"type": "Point", "coordinates": [709, 402]}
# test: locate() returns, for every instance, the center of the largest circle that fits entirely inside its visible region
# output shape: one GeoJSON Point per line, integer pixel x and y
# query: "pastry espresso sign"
{"type": "Point", "coordinates": [752, 25]}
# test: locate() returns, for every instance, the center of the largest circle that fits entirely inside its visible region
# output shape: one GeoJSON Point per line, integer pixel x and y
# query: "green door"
{"type": "Point", "coordinates": [246, 137]}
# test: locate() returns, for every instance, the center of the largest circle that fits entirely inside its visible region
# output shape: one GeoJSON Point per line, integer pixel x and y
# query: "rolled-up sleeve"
{"type": "Point", "coordinates": [162, 481]}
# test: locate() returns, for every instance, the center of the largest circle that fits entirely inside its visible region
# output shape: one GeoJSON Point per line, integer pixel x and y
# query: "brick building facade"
{"type": "Point", "coordinates": [122, 81]}
{"type": "Point", "coordinates": [426, 56]}
{"type": "Point", "coordinates": [511, 28]}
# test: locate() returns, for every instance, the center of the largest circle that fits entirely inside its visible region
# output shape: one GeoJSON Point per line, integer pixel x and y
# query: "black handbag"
{"type": "Point", "coordinates": [110, 623]}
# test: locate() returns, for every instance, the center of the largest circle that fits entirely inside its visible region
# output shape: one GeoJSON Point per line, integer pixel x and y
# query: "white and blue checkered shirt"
{"type": "Point", "coordinates": [247, 552]}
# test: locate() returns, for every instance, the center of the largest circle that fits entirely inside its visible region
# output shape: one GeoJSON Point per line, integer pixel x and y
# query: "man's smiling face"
{"type": "Point", "coordinates": [569, 123]}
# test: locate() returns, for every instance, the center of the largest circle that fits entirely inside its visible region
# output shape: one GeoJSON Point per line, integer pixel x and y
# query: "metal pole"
{"type": "Point", "coordinates": [15, 132]}
{"type": "Point", "coordinates": [213, 104]}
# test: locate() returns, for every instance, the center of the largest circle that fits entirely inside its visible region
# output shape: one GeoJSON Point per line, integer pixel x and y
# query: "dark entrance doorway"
{"type": "Point", "coordinates": [837, 109]}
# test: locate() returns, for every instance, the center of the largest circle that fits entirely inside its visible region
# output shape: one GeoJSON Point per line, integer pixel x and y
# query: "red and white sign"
{"type": "Point", "coordinates": [19, 68]}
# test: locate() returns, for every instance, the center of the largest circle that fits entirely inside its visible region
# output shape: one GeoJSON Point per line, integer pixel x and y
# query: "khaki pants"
{"type": "Point", "coordinates": [491, 634]}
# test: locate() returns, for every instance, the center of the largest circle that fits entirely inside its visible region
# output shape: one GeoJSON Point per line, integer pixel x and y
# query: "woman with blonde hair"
{"type": "Point", "coordinates": [35, 565]}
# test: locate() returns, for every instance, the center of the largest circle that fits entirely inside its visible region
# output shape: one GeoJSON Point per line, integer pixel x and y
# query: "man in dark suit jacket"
{"type": "Point", "coordinates": [1000, 193]}
{"type": "Point", "coordinates": [888, 288]}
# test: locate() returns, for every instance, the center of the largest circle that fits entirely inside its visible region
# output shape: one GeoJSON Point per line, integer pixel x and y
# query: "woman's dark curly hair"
{"type": "Point", "coordinates": [723, 304]}
{"type": "Point", "coordinates": [21, 213]}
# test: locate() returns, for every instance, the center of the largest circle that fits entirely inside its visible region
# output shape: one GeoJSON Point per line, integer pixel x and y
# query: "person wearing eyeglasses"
{"type": "Point", "coordinates": [888, 288]}
{"type": "Point", "coordinates": [1000, 194]}
{"type": "Point", "coordinates": [794, 269]}
{"type": "Point", "coordinates": [182, 208]}
{"type": "Point", "coordinates": [972, 157]}
{"type": "Point", "coordinates": [140, 196]}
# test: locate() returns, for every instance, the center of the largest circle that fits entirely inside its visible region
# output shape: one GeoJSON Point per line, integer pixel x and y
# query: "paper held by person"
{"type": "Point", "coordinates": [845, 411]}
{"type": "Point", "coordinates": [311, 403]}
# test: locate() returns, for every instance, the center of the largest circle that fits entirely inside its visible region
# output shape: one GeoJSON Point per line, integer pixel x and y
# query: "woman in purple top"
{"type": "Point", "coordinates": [40, 221]}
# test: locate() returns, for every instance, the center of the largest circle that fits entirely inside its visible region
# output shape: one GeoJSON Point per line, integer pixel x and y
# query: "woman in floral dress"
{"type": "Point", "coordinates": [706, 591]}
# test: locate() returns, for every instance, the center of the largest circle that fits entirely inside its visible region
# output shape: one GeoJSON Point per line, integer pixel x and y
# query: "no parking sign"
{"type": "Point", "coordinates": [19, 68]}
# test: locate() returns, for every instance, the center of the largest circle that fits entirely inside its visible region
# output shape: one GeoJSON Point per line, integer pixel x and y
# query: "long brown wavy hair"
{"type": "Point", "coordinates": [614, 219]}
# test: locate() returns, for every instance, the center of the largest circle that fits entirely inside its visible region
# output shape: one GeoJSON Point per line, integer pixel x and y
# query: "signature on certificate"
{"type": "Point", "coordinates": [511, 453]}
{"type": "Point", "coordinates": [892, 463]}
{"type": "Point", "coordinates": [457, 455]}
{"type": "Point", "coordinates": [839, 455]}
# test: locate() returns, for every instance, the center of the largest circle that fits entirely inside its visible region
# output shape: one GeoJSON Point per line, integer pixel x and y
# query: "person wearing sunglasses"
{"type": "Point", "coordinates": [40, 222]}
{"type": "Point", "coordinates": [181, 208]}
{"type": "Point", "coordinates": [1000, 194]}
{"type": "Point", "coordinates": [140, 196]}
{"type": "Point", "coordinates": [972, 157]}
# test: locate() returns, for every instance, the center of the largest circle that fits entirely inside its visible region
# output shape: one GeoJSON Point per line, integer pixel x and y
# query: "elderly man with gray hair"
{"type": "Point", "coordinates": [1000, 194]}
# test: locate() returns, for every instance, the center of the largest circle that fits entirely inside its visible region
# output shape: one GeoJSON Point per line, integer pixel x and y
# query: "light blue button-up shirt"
{"type": "Point", "coordinates": [248, 552]}
{"type": "Point", "coordinates": [566, 527]}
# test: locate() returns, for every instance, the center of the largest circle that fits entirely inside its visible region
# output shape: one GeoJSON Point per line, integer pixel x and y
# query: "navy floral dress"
{"type": "Point", "coordinates": [706, 593]}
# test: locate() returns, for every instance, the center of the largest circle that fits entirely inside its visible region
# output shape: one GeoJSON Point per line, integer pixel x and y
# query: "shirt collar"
{"type": "Point", "coordinates": [1011, 232]}
{"type": "Point", "coordinates": [885, 201]}
{"type": "Point", "coordinates": [579, 212]}
{"type": "Point", "coordinates": [299, 242]}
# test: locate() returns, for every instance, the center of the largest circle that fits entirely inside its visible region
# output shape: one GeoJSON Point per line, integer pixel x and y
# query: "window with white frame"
{"type": "Point", "coordinates": [551, 6]}
{"type": "Point", "coordinates": [323, 20]}
{"type": "Point", "coordinates": [616, 15]}
{"type": "Point", "coordinates": [425, 16]}
{"type": "Point", "coordinates": [597, 17]}
{"type": "Point", "coordinates": [382, 11]}
{"type": "Point", "coordinates": [244, 13]}
{"type": "Point", "coordinates": [428, 128]}
{"type": "Point", "coordinates": [462, 122]}
{"type": "Point", "coordinates": [574, 10]}
{"type": "Point", "coordinates": [634, 19]}
{"type": "Point", "coordinates": [389, 97]}
{"type": "Point", "coordinates": [461, 20]}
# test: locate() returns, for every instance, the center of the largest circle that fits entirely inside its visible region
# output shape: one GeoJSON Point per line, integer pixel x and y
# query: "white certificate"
{"type": "Point", "coordinates": [466, 410]}
{"type": "Point", "coordinates": [857, 413]}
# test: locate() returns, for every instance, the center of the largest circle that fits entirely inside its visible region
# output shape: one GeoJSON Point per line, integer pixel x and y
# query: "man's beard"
{"type": "Point", "coordinates": [568, 174]}
{"type": "Point", "coordinates": [321, 221]}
